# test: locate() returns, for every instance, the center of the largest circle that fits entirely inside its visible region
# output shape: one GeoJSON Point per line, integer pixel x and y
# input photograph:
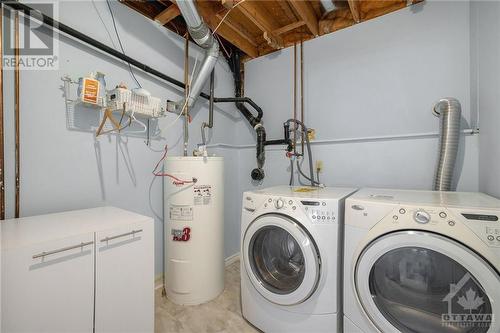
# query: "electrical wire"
{"type": "Point", "coordinates": [176, 181]}
{"type": "Point", "coordinates": [224, 17]}
{"type": "Point", "coordinates": [120, 42]}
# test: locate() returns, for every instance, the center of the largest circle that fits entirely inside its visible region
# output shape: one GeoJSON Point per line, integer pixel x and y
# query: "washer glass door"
{"type": "Point", "coordinates": [277, 259]}
{"type": "Point", "coordinates": [281, 259]}
{"type": "Point", "coordinates": [421, 283]}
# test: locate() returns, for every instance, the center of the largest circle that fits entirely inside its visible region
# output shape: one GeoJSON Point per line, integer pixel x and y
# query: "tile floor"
{"type": "Point", "coordinates": [221, 315]}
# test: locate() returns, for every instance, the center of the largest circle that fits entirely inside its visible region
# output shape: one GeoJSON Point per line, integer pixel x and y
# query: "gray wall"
{"type": "Point", "coordinates": [63, 165]}
{"type": "Point", "coordinates": [485, 51]}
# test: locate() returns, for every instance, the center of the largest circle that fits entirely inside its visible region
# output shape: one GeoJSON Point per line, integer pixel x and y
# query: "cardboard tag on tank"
{"type": "Point", "coordinates": [181, 213]}
{"type": "Point", "coordinates": [202, 194]}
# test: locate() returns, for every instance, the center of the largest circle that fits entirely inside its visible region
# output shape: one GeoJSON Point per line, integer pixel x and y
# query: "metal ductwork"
{"type": "Point", "coordinates": [449, 112]}
{"type": "Point", "coordinates": [202, 35]}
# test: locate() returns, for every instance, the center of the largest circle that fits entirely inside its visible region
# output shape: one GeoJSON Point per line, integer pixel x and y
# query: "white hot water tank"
{"type": "Point", "coordinates": [194, 229]}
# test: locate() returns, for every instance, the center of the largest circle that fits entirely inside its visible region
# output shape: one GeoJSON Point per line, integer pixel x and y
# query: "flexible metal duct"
{"type": "Point", "coordinates": [450, 113]}
{"type": "Point", "coordinates": [202, 35]}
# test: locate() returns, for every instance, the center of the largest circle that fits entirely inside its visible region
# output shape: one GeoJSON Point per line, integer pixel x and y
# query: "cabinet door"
{"type": "Point", "coordinates": [125, 279]}
{"type": "Point", "coordinates": [49, 287]}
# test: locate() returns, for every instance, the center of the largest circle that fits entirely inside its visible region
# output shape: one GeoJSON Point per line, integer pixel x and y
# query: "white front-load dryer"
{"type": "Point", "coordinates": [291, 243]}
{"type": "Point", "coordinates": [421, 262]}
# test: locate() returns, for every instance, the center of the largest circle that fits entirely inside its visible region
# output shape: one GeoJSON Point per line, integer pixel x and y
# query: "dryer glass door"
{"type": "Point", "coordinates": [420, 283]}
{"type": "Point", "coordinates": [281, 259]}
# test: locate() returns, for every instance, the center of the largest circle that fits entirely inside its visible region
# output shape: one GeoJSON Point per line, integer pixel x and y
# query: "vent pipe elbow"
{"type": "Point", "coordinates": [202, 35]}
{"type": "Point", "coordinates": [449, 112]}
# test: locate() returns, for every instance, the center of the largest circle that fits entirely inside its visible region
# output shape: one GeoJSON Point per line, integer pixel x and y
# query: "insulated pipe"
{"type": "Point", "coordinates": [202, 35]}
{"type": "Point", "coordinates": [449, 112]}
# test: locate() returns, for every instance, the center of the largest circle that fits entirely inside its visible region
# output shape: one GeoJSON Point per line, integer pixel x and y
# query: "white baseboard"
{"type": "Point", "coordinates": [227, 262]}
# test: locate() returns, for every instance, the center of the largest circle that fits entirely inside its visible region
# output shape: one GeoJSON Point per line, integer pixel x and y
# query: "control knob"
{"type": "Point", "coordinates": [422, 217]}
{"type": "Point", "coordinates": [279, 203]}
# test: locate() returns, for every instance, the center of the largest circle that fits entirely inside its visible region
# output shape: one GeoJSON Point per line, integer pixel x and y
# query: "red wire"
{"type": "Point", "coordinates": [177, 181]}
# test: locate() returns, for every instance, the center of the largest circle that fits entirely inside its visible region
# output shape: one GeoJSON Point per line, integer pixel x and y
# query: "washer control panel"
{"type": "Point", "coordinates": [319, 211]}
{"type": "Point", "coordinates": [493, 236]}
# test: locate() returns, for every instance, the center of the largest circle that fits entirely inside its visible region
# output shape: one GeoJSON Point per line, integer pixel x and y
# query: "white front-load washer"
{"type": "Point", "coordinates": [291, 243]}
{"type": "Point", "coordinates": [421, 262]}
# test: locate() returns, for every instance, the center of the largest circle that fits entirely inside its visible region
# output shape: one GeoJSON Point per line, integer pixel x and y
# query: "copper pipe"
{"type": "Point", "coordinates": [186, 82]}
{"type": "Point", "coordinates": [302, 90]}
{"type": "Point", "coordinates": [2, 163]}
{"type": "Point", "coordinates": [16, 117]}
{"type": "Point", "coordinates": [295, 97]}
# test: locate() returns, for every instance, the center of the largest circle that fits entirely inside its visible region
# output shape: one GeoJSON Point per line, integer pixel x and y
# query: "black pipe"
{"type": "Point", "coordinates": [28, 11]}
{"type": "Point", "coordinates": [260, 114]}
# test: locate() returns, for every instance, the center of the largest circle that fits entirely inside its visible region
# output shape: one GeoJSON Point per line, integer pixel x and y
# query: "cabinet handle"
{"type": "Point", "coordinates": [48, 253]}
{"type": "Point", "coordinates": [133, 232]}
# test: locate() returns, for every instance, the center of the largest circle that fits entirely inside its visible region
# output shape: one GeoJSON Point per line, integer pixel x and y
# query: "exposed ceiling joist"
{"type": "Point", "coordinates": [263, 20]}
{"type": "Point", "coordinates": [258, 27]}
{"type": "Point", "coordinates": [168, 14]}
{"type": "Point", "coordinates": [355, 11]}
{"type": "Point", "coordinates": [232, 35]}
{"type": "Point", "coordinates": [307, 13]}
{"type": "Point", "coordinates": [288, 28]}
{"type": "Point", "coordinates": [239, 28]}
{"type": "Point", "coordinates": [258, 15]}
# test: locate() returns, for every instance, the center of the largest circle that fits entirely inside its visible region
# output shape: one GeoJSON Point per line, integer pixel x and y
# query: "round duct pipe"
{"type": "Point", "coordinates": [449, 112]}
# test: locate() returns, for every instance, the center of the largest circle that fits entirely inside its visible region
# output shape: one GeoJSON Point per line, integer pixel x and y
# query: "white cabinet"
{"type": "Point", "coordinates": [124, 301]}
{"type": "Point", "coordinates": [81, 271]}
{"type": "Point", "coordinates": [38, 288]}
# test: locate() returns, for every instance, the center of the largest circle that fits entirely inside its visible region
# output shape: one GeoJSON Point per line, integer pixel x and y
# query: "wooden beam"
{"type": "Point", "coordinates": [209, 14]}
{"type": "Point", "coordinates": [306, 12]}
{"type": "Point", "coordinates": [239, 28]}
{"type": "Point", "coordinates": [168, 14]}
{"type": "Point", "coordinates": [263, 20]}
{"type": "Point", "coordinates": [288, 28]}
{"type": "Point", "coordinates": [355, 11]}
{"type": "Point", "coordinates": [287, 10]}
{"type": "Point", "coordinates": [258, 15]}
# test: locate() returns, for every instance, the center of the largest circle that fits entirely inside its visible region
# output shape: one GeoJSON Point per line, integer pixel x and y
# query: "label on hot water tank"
{"type": "Point", "coordinates": [181, 213]}
{"type": "Point", "coordinates": [202, 194]}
